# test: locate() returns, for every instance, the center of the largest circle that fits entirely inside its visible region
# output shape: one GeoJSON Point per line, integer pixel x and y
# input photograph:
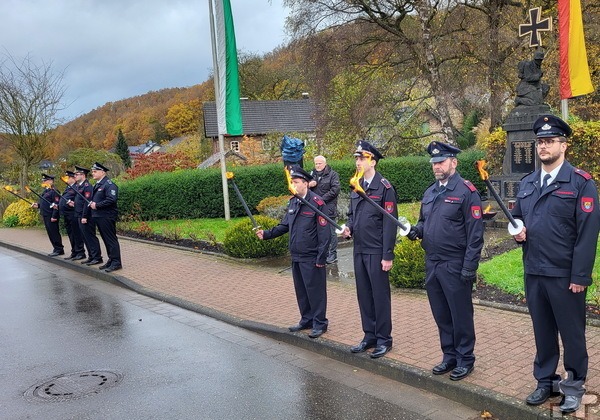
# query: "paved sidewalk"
{"type": "Point", "coordinates": [261, 298]}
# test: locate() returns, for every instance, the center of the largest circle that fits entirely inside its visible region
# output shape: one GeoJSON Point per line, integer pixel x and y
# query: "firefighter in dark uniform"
{"type": "Point", "coordinates": [83, 213]}
{"type": "Point", "coordinates": [451, 226]}
{"type": "Point", "coordinates": [67, 211]}
{"type": "Point", "coordinates": [48, 206]}
{"type": "Point", "coordinates": [104, 215]}
{"type": "Point", "coordinates": [309, 243]}
{"type": "Point", "coordinates": [374, 240]}
{"type": "Point", "coordinates": [558, 205]}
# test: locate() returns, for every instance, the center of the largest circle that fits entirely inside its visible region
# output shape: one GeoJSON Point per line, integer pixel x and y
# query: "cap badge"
{"type": "Point", "coordinates": [546, 127]}
{"type": "Point", "coordinates": [435, 151]}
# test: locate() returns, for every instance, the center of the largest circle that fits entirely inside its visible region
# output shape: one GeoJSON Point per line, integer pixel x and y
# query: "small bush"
{"type": "Point", "coordinates": [241, 241]}
{"type": "Point", "coordinates": [408, 270]}
{"type": "Point", "coordinates": [273, 207]}
{"type": "Point", "coordinates": [11, 221]}
{"type": "Point", "coordinates": [144, 229]}
{"type": "Point", "coordinates": [26, 216]}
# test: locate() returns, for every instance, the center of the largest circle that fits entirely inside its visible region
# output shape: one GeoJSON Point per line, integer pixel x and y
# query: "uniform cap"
{"type": "Point", "coordinates": [46, 177]}
{"type": "Point", "coordinates": [81, 170]}
{"type": "Point", "coordinates": [364, 147]}
{"type": "Point", "coordinates": [296, 171]}
{"type": "Point", "coordinates": [70, 174]}
{"type": "Point", "coordinates": [439, 151]}
{"type": "Point", "coordinates": [551, 126]}
{"type": "Point", "coordinates": [99, 167]}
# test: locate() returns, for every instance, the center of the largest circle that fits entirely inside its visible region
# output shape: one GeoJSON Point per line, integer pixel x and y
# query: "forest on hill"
{"type": "Point", "coordinates": [382, 74]}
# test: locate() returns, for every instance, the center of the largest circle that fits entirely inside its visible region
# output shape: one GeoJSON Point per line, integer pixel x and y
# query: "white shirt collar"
{"type": "Point", "coordinates": [552, 173]}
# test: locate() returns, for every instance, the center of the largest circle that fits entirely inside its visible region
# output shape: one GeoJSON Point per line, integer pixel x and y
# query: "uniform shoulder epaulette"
{"type": "Point", "coordinates": [386, 183]}
{"type": "Point", "coordinates": [318, 200]}
{"type": "Point", "coordinates": [583, 173]}
{"type": "Point", "coordinates": [109, 182]}
{"type": "Point", "coordinates": [526, 175]}
{"type": "Point", "coordinates": [470, 185]}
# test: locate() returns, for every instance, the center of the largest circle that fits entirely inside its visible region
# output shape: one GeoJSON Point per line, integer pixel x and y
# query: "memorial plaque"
{"type": "Point", "coordinates": [511, 188]}
{"type": "Point", "coordinates": [522, 155]}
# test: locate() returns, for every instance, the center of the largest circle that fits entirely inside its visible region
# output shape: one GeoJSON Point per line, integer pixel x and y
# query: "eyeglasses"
{"type": "Point", "coordinates": [546, 142]}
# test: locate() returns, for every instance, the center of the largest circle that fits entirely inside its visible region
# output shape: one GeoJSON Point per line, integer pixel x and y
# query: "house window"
{"type": "Point", "coordinates": [235, 146]}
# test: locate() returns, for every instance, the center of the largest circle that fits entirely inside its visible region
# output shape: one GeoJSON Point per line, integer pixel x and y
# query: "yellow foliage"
{"type": "Point", "coordinates": [494, 146]}
{"type": "Point", "coordinates": [27, 215]}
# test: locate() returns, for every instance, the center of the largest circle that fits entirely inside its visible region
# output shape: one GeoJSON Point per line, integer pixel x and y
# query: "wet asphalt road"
{"type": "Point", "coordinates": [175, 364]}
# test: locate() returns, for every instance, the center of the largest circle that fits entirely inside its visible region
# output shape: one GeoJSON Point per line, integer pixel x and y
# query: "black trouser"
{"type": "Point", "coordinates": [311, 294]}
{"type": "Point", "coordinates": [53, 231]}
{"type": "Point", "coordinates": [108, 231]}
{"type": "Point", "coordinates": [88, 231]}
{"type": "Point", "coordinates": [75, 237]}
{"type": "Point", "coordinates": [555, 310]}
{"type": "Point", "coordinates": [374, 299]}
{"type": "Point", "coordinates": [452, 308]}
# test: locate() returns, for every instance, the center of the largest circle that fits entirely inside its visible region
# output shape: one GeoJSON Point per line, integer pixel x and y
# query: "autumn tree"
{"type": "Point", "coordinates": [30, 99]}
{"type": "Point", "coordinates": [122, 149]}
{"type": "Point", "coordinates": [184, 118]}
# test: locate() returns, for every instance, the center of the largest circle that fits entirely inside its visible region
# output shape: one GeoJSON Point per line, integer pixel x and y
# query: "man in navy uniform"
{"type": "Point", "coordinates": [104, 215]}
{"type": "Point", "coordinates": [558, 205]}
{"type": "Point", "coordinates": [451, 226]}
{"type": "Point", "coordinates": [309, 244]}
{"type": "Point", "coordinates": [48, 206]}
{"type": "Point", "coordinates": [83, 213]}
{"type": "Point", "coordinates": [374, 240]}
{"type": "Point", "coordinates": [67, 211]}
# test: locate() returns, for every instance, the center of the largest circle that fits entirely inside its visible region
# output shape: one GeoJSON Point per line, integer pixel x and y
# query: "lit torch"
{"type": "Point", "coordinates": [355, 185]}
{"type": "Point", "coordinates": [230, 176]}
{"type": "Point", "coordinates": [65, 179]}
{"type": "Point", "coordinates": [10, 190]}
{"type": "Point", "coordinates": [516, 226]}
{"type": "Point", "coordinates": [338, 229]}
{"type": "Point", "coordinates": [32, 191]}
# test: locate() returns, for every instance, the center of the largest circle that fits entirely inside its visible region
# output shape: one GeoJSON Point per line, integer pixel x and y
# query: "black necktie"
{"type": "Point", "coordinates": [366, 185]}
{"type": "Point", "coordinates": [545, 182]}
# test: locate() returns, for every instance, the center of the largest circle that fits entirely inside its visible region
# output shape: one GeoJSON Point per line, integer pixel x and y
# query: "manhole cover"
{"type": "Point", "coordinates": [73, 385]}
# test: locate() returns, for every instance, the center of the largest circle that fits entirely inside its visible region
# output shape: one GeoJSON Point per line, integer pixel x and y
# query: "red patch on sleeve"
{"type": "Point", "coordinates": [476, 212]}
{"type": "Point", "coordinates": [88, 194]}
{"type": "Point", "coordinates": [587, 204]}
{"type": "Point", "coordinates": [389, 206]}
{"type": "Point", "coordinates": [322, 221]}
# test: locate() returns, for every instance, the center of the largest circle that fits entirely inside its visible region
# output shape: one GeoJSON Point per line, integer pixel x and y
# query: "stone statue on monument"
{"type": "Point", "coordinates": [531, 90]}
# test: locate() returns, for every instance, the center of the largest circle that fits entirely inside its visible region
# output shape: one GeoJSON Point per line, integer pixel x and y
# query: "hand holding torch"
{"type": "Point", "coordinates": [338, 229]}
{"type": "Point", "coordinates": [10, 190]}
{"type": "Point", "coordinates": [516, 226]}
{"type": "Point", "coordinates": [64, 179]}
{"type": "Point", "coordinates": [32, 191]}
{"type": "Point", "coordinates": [355, 185]}
{"type": "Point", "coordinates": [230, 176]}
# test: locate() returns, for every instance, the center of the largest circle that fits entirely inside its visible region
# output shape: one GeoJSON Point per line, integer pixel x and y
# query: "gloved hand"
{"type": "Point", "coordinates": [468, 276]}
{"type": "Point", "coordinates": [413, 233]}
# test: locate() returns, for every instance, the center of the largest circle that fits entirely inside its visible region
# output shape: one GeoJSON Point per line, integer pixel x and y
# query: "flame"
{"type": "Point", "coordinates": [9, 188]}
{"type": "Point", "coordinates": [480, 165]}
{"type": "Point", "coordinates": [487, 209]}
{"type": "Point", "coordinates": [44, 185]}
{"type": "Point", "coordinates": [27, 188]}
{"type": "Point", "coordinates": [355, 180]}
{"type": "Point", "coordinates": [64, 178]}
{"type": "Point", "coordinates": [291, 185]}
{"type": "Point", "coordinates": [229, 175]}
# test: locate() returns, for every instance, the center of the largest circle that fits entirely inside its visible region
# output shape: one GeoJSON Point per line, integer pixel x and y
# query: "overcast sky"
{"type": "Point", "coordinates": [115, 49]}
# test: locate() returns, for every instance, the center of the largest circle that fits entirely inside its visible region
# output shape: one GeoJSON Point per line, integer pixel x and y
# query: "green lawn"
{"type": "Point", "coordinates": [212, 230]}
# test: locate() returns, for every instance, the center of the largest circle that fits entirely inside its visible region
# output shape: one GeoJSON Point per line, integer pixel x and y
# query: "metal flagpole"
{"type": "Point", "coordinates": [564, 109]}
{"type": "Point", "coordinates": [217, 93]}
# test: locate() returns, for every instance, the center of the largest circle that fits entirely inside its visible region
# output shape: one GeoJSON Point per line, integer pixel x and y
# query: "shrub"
{"type": "Point", "coordinates": [408, 270]}
{"type": "Point", "coordinates": [274, 207]}
{"type": "Point", "coordinates": [26, 216]}
{"type": "Point", "coordinates": [494, 147]}
{"type": "Point", "coordinates": [11, 221]}
{"type": "Point", "coordinates": [241, 241]}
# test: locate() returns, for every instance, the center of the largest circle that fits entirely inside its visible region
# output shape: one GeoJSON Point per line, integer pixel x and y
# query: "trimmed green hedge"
{"type": "Point", "coordinates": [197, 193]}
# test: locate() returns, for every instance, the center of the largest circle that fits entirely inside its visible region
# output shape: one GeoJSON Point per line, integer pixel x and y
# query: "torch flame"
{"type": "Point", "coordinates": [355, 180]}
{"type": "Point", "coordinates": [45, 185]}
{"type": "Point", "coordinates": [291, 185]}
{"type": "Point", "coordinates": [64, 178]}
{"type": "Point", "coordinates": [27, 188]}
{"type": "Point", "coordinates": [480, 165]}
{"type": "Point", "coordinates": [487, 209]}
{"type": "Point", "coordinates": [229, 175]}
{"type": "Point", "coordinates": [9, 188]}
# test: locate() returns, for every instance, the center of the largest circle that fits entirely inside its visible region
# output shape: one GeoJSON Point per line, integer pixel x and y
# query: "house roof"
{"type": "Point", "coordinates": [263, 117]}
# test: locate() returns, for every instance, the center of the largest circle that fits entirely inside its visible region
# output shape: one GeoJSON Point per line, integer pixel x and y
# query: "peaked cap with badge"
{"type": "Point", "coordinates": [364, 149]}
{"type": "Point", "coordinates": [551, 126]}
{"type": "Point", "coordinates": [46, 177]}
{"type": "Point", "coordinates": [81, 170]}
{"type": "Point", "coordinates": [99, 167]}
{"type": "Point", "coordinates": [439, 151]}
{"type": "Point", "coordinates": [296, 171]}
{"type": "Point", "coordinates": [70, 174]}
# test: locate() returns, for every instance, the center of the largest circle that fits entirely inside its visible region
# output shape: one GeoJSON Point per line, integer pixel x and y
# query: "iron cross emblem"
{"type": "Point", "coordinates": [535, 27]}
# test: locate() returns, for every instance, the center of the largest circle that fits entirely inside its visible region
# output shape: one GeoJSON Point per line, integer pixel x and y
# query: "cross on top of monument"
{"type": "Point", "coordinates": [535, 27]}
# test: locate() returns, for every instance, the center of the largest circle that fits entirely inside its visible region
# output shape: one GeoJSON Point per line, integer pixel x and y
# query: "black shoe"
{"type": "Point", "coordinates": [570, 404]}
{"type": "Point", "coordinates": [113, 268]}
{"type": "Point", "coordinates": [315, 333]}
{"type": "Point", "coordinates": [442, 368]}
{"type": "Point", "coordinates": [78, 257]}
{"type": "Point", "coordinates": [86, 261]}
{"type": "Point", "coordinates": [103, 266]}
{"type": "Point", "coordinates": [299, 327]}
{"type": "Point", "coordinates": [70, 257]}
{"type": "Point", "coordinates": [56, 253]}
{"type": "Point", "coordinates": [539, 396]}
{"type": "Point", "coordinates": [460, 372]}
{"type": "Point", "coordinates": [380, 351]}
{"type": "Point", "coordinates": [94, 262]}
{"type": "Point", "coordinates": [362, 347]}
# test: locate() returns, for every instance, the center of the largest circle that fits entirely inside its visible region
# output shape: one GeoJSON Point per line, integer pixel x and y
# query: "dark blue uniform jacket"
{"type": "Point", "coordinates": [105, 196]}
{"type": "Point", "coordinates": [562, 224]}
{"type": "Point", "coordinates": [50, 196]}
{"type": "Point", "coordinates": [81, 206]}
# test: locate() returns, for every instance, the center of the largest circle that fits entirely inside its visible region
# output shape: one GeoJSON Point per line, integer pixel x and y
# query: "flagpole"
{"type": "Point", "coordinates": [564, 109]}
{"type": "Point", "coordinates": [217, 93]}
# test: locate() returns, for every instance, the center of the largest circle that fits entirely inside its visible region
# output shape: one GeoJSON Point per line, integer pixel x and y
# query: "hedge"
{"type": "Point", "coordinates": [195, 193]}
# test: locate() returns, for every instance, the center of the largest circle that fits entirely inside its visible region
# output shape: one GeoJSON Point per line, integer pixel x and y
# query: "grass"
{"type": "Point", "coordinates": [212, 230]}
